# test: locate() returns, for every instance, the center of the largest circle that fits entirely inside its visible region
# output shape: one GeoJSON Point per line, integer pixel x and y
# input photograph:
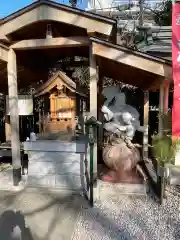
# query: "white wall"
{"type": "Point", "coordinates": [105, 4]}
{"type": "Point", "coordinates": [99, 4]}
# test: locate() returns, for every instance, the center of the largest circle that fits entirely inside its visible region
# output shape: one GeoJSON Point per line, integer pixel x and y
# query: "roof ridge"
{"type": "Point", "coordinates": [55, 4]}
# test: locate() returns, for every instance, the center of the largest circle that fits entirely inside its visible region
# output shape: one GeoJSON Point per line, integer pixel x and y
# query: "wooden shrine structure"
{"type": "Point", "coordinates": [62, 103]}
{"type": "Point", "coordinates": [35, 37]}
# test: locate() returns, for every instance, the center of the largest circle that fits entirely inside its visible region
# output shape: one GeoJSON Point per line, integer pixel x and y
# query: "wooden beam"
{"type": "Point", "coordinates": [131, 59]}
{"type": "Point", "coordinates": [80, 63]}
{"type": "Point", "coordinates": [3, 53]}
{"type": "Point", "coordinates": [48, 13]}
{"type": "Point", "coordinates": [14, 116]}
{"type": "Point", "coordinates": [155, 84]}
{"type": "Point", "coordinates": [50, 43]}
{"type": "Point", "coordinates": [100, 114]}
{"type": "Point", "coordinates": [167, 73]}
{"type": "Point", "coordinates": [93, 84]}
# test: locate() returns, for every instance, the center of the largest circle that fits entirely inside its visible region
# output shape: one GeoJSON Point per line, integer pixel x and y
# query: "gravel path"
{"type": "Point", "coordinates": [52, 216]}
{"type": "Point", "coordinates": [130, 218]}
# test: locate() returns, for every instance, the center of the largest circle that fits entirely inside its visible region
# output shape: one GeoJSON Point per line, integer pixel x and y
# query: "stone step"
{"type": "Point", "coordinates": [106, 190]}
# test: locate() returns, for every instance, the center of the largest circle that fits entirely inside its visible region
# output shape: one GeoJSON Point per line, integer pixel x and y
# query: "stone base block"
{"type": "Point", "coordinates": [67, 182]}
{"type": "Point", "coordinates": [115, 189]}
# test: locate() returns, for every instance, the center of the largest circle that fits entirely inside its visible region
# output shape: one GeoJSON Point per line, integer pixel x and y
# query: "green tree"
{"type": "Point", "coordinates": [73, 3]}
{"type": "Point", "coordinates": [163, 17]}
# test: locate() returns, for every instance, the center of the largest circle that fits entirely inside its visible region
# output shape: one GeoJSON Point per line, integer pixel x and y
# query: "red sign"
{"type": "Point", "coordinates": [176, 68]}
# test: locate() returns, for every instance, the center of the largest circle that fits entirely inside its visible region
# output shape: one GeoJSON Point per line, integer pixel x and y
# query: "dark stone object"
{"type": "Point", "coordinates": [16, 176]}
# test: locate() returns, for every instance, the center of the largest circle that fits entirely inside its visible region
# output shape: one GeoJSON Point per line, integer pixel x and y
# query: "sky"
{"type": "Point", "coordinates": [9, 6]}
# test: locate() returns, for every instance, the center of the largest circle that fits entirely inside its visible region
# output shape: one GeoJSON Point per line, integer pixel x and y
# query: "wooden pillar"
{"type": "Point", "coordinates": [93, 101]}
{"type": "Point", "coordinates": [161, 108]}
{"type": "Point", "coordinates": [146, 123]}
{"type": "Point", "coordinates": [73, 115]}
{"type": "Point", "coordinates": [52, 106]}
{"type": "Point", "coordinates": [14, 116]}
{"type": "Point", "coordinates": [163, 104]}
{"type": "Point", "coordinates": [100, 114]}
{"type": "Point", "coordinates": [166, 96]}
{"type": "Point", "coordinates": [7, 128]}
{"type": "Point", "coordinates": [40, 123]}
{"type": "Point", "coordinates": [93, 84]}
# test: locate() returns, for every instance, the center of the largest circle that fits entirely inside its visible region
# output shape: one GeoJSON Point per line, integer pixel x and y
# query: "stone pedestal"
{"type": "Point", "coordinates": [55, 164]}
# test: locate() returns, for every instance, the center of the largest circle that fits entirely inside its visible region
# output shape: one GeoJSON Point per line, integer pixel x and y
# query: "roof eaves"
{"type": "Point", "coordinates": [57, 5]}
{"type": "Point", "coordinates": [128, 50]}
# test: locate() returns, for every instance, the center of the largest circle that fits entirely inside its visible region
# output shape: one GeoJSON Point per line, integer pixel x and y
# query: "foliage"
{"type": "Point", "coordinates": [81, 74]}
{"type": "Point", "coordinates": [73, 3]}
{"type": "Point", "coordinates": [163, 149]}
{"type": "Point", "coordinates": [124, 7]}
{"type": "Point", "coordinates": [163, 17]}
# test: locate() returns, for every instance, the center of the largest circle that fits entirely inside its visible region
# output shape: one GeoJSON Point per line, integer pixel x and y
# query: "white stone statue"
{"type": "Point", "coordinates": [121, 119]}
{"type": "Point", "coordinates": [121, 122]}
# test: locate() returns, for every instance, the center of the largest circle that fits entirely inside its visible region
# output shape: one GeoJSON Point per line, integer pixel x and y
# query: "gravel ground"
{"type": "Point", "coordinates": [130, 218]}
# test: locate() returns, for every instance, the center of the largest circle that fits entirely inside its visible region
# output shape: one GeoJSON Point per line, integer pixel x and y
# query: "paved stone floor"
{"type": "Point", "coordinates": [43, 215]}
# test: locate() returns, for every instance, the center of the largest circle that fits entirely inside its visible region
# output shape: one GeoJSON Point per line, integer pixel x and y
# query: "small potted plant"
{"type": "Point", "coordinates": [164, 153]}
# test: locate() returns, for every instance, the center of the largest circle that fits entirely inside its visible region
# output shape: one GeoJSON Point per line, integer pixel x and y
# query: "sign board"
{"type": "Point", "coordinates": [65, 115]}
{"type": "Point", "coordinates": [176, 68]}
{"type": "Point", "coordinates": [25, 105]}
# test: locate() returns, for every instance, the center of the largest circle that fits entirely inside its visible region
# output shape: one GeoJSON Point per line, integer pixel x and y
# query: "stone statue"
{"type": "Point", "coordinates": [120, 155]}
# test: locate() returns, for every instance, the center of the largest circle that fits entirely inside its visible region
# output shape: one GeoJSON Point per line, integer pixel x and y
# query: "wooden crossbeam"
{"type": "Point", "coordinates": [60, 42]}
{"type": "Point", "coordinates": [56, 13]}
{"type": "Point", "coordinates": [132, 58]}
{"type": "Point", "coordinates": [3, 53]}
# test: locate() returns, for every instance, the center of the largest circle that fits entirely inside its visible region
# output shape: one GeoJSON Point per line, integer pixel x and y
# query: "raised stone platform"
{"type": "Point", "coordinates": [55, 164]}
{"type": "Point", "coordinates": [108, 190]}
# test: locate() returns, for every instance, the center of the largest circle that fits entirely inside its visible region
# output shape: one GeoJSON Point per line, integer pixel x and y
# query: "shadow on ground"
{"type": "Point", "coordinates": [13, 227]}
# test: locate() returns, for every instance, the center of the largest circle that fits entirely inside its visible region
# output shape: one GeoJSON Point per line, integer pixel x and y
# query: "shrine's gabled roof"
{"type": "Point", "coordinates": [47, 10]}
{"type": "Point", "coordinates": [57, 5]}
{"type": "Point", "coordinates": [58, 79]}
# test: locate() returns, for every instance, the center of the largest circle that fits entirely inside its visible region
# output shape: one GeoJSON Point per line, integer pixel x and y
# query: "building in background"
{"type": "Point", "coordinates": [136, 24]}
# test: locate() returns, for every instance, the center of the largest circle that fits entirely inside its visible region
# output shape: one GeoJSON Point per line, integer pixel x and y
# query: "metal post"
{"type": "Point", "coordinates": [91, 143]}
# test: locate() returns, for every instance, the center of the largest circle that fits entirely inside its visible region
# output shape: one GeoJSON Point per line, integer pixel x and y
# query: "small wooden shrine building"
{"type": "Point", "coordinates": [62, 103]}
